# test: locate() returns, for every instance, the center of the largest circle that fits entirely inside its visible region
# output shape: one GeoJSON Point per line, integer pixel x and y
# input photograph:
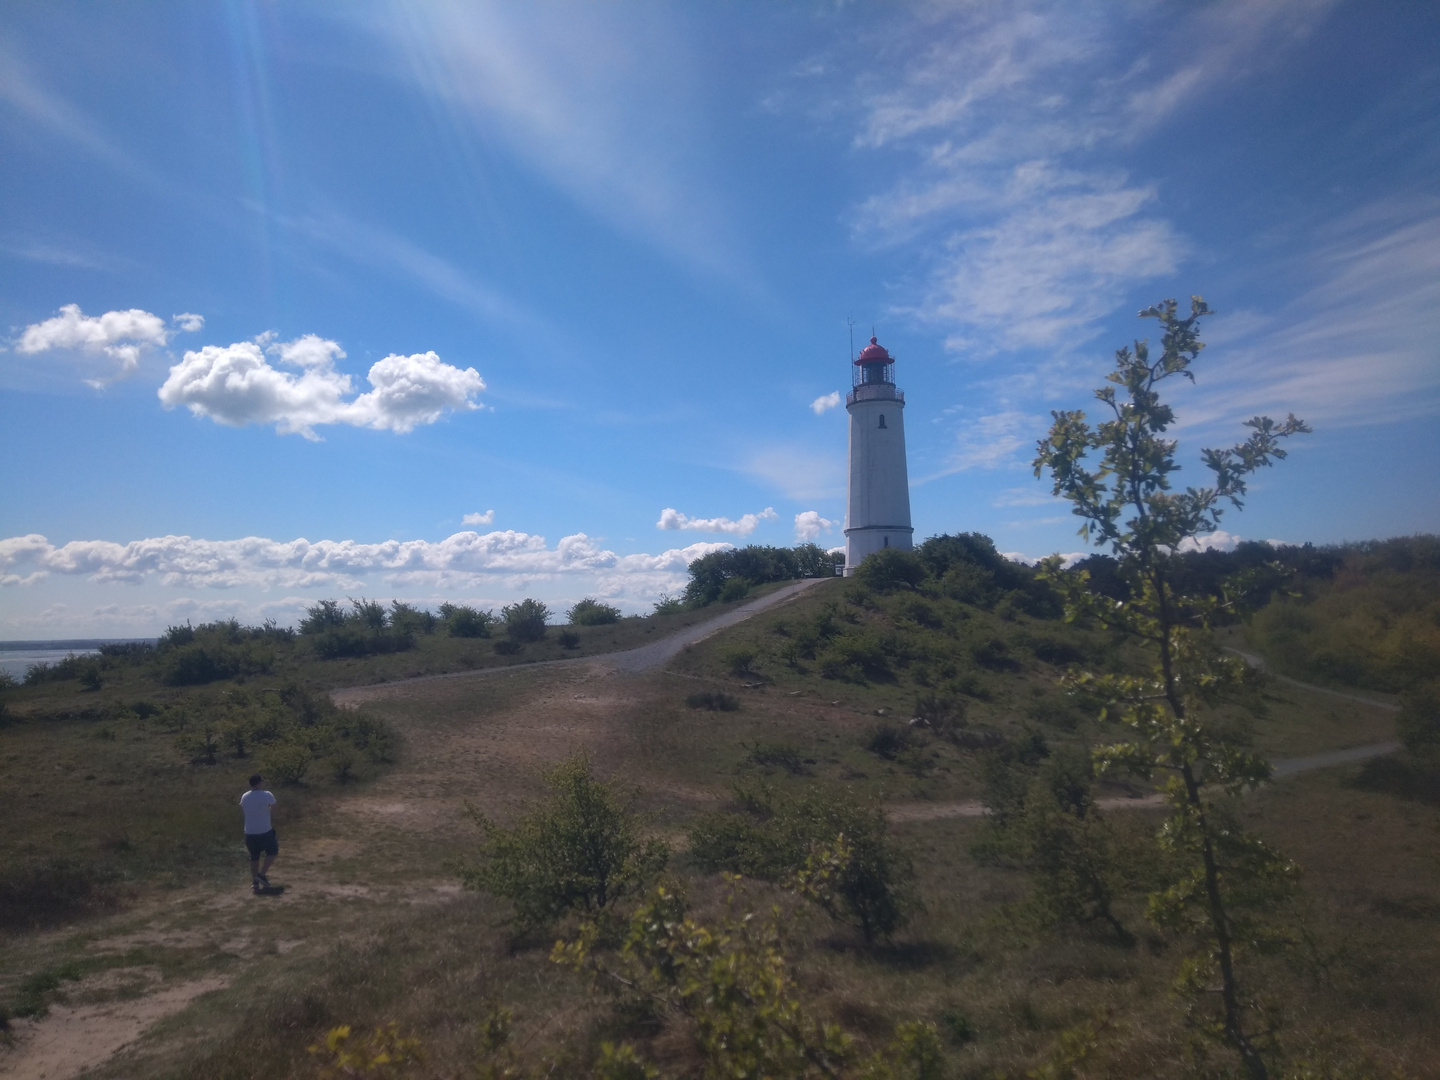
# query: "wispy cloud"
{"type": "Point", "coordinates": [825, 402]}
{"type": "Point", "coordinates": [1356, 347]}
{"type": "Point", "coordinates": [1003, 111]}
{"type": "Point", "coordinates": [487, 518]}
{"type": "Point", "coordinates": [602, 102]}
{"type": "Point", "coordinates": [1029, 496]}
{"type": "Point", "coordinates": [378, 247]}
{"type": "Point", "coordinates": [990, 441]}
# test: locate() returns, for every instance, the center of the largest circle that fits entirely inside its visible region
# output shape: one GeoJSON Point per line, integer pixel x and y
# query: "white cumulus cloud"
{"type": "Point", "coordinates": [237, 385]}
{"type": "Point", "coordinates": [1219, 540]}
{"type": "Point", "coordinates": [809, 525]}
{"type": "Point", "coordinates": [117, 335]}
{"type": "Point", "coordinates": [825, 402]}
{"type": "Point", "coordinates": [253, 570]}
{"type": "Point", "coordinates": [487, 518]}
{"type": "Point", "coordinates": [188, 322]}
{"type": "Point", "coordinates": [671, 518]}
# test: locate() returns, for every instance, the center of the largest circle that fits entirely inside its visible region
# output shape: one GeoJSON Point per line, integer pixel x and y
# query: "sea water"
{"type": "Point", "coordinates": [17, 657]}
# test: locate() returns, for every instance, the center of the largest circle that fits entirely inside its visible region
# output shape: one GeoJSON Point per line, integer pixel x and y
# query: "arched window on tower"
{"type": "Point", "coordinates": [882, 419]}
{"type": "Point", "coordinates": [887, 540]}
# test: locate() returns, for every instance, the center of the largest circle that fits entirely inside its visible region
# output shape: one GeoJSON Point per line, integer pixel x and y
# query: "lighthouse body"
{"type": "Point", "coordinates": [877, 514]}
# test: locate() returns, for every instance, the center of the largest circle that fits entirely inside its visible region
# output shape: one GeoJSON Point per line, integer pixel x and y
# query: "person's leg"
{"type": "Point", "coordinates": [272, 848]}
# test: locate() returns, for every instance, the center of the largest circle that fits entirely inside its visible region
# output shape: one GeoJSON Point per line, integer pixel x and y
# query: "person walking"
{"type": "Point", "coordinates": [259, 832]}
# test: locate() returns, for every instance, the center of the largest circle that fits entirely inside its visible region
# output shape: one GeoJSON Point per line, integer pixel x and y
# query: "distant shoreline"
{"type": "Point", "coordinates": [71, 643]}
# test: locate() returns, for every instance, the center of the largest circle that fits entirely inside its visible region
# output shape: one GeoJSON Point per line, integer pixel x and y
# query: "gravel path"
{"type": "Point", "coordinates": [647, 657]}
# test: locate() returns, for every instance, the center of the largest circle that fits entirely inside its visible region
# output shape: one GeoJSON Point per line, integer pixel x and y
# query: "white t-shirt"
{"type": "Point", "coordinates": [256, 805]}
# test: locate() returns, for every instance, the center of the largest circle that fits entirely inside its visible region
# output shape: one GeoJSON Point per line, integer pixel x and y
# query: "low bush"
{"type": "Point", "coordinates": [890, 569]}
{"type": "Point", "coordinates": [889, 740]}
{"type": "Point", "coordinates": [289, 729]}
{"type": "Point", "coordinates": [525, 621]}
{"type": "Point", "coordinates": [591, 612]}
{"type": "Point", "coordinates": [739, 660]}
{"type": "Point", "coordinates": [856, 656]}
{"type": "Point", "coordinates": [465, 622]}
{"type": "Point", "coordinates": [774, 839]}
{"type": "Point", "coordinates": [366, 628]}
{"type": "Point", "coordinates": [783, 755]}
{"type": "Point", "coordinates": [1418, 722]}
{"type": "Point", "coordinates": [569, 639]}
{"type": "Point", "coordinates": [580, 850]}
{"type": "Point", "coordinates": [507, 647]}
{"type": "Point", "coordinates": [735, 589]}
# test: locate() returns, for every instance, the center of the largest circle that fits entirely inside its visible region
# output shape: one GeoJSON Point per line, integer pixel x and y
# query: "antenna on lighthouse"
{"type": "Point", "coordinates": [851, 322]}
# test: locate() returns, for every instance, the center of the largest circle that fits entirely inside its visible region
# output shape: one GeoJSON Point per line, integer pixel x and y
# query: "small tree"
{"type": "Point", "coordinates": [581, 850]}
{"type": "Point", "coordinates": [526, 620]}
{"type": "Point", "coordinates": [1126, 501]}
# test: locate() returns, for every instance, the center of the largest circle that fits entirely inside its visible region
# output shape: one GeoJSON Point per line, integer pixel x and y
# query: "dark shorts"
{"type": "Point", "coordinates": [262, 844]}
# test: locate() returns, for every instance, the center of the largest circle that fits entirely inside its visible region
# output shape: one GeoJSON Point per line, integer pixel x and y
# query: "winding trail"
{"type": "Point", "coordinates": [1280, 768]}
{"type": "Point", "coordinates": [646, 657]}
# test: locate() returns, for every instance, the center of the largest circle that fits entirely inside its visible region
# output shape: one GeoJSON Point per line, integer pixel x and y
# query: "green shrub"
{"type": "Point", "coordinates": [994, 653]}
{"type": "Point", "coordinates": [319, 616]}
{"type": "Point", "coordinates": [526, 620]}
{"type": "Point", "coordinates": [775, 839]}
{"type": "Point", "coordinates": [569, 639]}
{"type": "Point", "coordinates": [591, 612]}
{"type": "Point", "coordinates": [736, 588]}
{"type": "Point", "coordinates": [465, 622]}
{"type": "Point", "coordinates": [1418, 722]}
{"type": "Point", "coordinates": [580, 850]}
{"type": "Point", "coordinates": [286, 763]}
{"type": "Point", "coordinates": [889, 740]}
{"type": "Point", "coordinates": [889, 569]}
{"type": "Point", "coordinates": [856, 656]}
{"type": "Point", "coordinates": [411, 620]}
{"type": "Point", "coordinates": [739, 660]}
{"type": "Point", "coordinates": [507, 647]}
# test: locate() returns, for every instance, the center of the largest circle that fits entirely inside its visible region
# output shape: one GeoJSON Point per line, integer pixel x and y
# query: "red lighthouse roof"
{"type": "Point", "coordinates": [874, 353]}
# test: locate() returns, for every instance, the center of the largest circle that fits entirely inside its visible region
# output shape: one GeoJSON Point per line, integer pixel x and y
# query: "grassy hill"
{"type": "Point", "coordinates": [814, 696]}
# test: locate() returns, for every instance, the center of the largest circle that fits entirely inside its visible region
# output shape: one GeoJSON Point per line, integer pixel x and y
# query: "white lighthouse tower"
{"type": "Point", "coordinates": [877, 515]}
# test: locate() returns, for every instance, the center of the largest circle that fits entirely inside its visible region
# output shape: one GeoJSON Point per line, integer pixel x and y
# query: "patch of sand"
{"type": "Point", "coordinates": [71, 1039]}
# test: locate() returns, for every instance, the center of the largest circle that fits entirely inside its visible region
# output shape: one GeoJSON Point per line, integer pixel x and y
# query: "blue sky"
{"type": "Point", "coordinates": [474, 302]}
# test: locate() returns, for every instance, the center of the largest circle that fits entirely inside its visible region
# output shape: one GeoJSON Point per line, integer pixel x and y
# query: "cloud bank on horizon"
{"type": "Point", "coordinates": [653, 256]}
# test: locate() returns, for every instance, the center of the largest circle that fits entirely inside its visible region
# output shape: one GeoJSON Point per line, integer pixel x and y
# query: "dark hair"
{"type": "Point", "coordinates": [256, 780]}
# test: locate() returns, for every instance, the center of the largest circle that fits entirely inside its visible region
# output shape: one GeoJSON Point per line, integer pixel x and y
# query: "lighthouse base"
{"type": "Point", "coordinates": [872, 538]}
